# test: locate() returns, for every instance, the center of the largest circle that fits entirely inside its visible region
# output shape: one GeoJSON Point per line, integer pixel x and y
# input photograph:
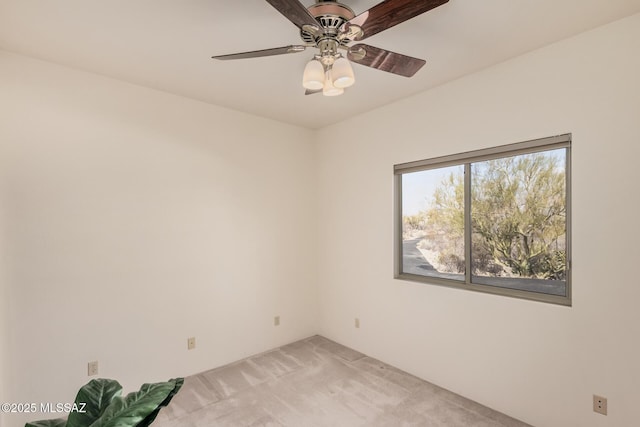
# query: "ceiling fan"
{"type": "Point", "coordinates": [332, 26]}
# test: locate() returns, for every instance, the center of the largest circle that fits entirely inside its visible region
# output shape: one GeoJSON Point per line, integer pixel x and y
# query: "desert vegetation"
{"type": "Point", "coordinates": [518, 219]}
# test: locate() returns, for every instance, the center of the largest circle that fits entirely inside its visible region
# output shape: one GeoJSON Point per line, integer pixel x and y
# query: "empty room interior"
{"type": "Point", "coordinates": [170, 208]}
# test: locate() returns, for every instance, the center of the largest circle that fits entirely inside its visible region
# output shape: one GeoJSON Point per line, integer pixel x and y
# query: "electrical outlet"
{"type": "Point", "coordinates": [191, 343]}
{"type": "Point", "coordinates": [92, 368]}
{"type": "Point", "coordinates": [276, 321]}
{"type": "Point", "coordinates": [600, 404]}
{"type": "Point", "coordinates": [357, 323]}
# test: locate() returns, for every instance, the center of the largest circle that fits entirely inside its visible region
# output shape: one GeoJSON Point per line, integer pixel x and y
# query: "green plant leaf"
{"type": "Point", "coordinates": [152, 416]}
{"type": "Point", "coordinates": [58, 422]}
{"type": "Point", "coordinates": [94, 398]}
{"type": "Point", "coordinates": [136, 406]}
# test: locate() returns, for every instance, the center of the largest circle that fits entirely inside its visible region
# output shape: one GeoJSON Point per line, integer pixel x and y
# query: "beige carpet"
{"type": "Point", "coordinates": [317, 382]}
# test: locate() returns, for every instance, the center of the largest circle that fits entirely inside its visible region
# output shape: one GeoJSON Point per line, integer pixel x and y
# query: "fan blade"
{"type": "Point", "coordinates": [384, 60]}
{"type": "Point", "coordinates": [263, 52]}
{"type": "Point", "coordinates": [312, 92]}
{"type": "Point", "coordinates": [295, 12]}
{"type": "Point", "coordinates": [390, 13]}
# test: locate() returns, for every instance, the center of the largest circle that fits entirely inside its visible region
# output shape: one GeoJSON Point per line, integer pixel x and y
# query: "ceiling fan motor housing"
{"type": "Point", "coordinates": [331, 15]}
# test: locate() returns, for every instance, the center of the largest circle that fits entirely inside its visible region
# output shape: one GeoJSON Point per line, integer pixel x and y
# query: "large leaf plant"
{"type": "Point", "coordinates": [100, 404]}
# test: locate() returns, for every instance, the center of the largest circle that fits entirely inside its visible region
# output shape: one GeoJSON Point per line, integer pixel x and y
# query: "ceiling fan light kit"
{"type": "Point", "coordinates": [329, 26]}
{"type": "Point", "coordinates": [329, 89]}
{"type": "Point", "coordinates": [313, 76]}
{"type": "Point", "coordinates": [342, 73]}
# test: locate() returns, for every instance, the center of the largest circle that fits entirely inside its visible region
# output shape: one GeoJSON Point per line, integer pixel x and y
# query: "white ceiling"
{"type": "Point", "coordinates": [167, 45]}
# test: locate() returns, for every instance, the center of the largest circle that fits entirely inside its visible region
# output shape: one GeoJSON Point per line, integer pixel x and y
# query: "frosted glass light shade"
{"type": "Point", "coordinates": [342, 73]}
{"type": "Point", "coordinates": [329, 89]}
{"type": "Point", "coordinates": [313, 76]}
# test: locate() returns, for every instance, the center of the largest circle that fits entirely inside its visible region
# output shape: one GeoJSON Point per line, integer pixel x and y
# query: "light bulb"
{"type": "Point", "coordinates": [329, 89]}
{"type": "Point", "coordinates": [342, 73]}
{"type": "Point", "coordinates": [313, 76]}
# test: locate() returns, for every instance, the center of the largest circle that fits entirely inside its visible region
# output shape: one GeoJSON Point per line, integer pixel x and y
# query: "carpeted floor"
{"type": "Point", "coordinates": [317, 382]}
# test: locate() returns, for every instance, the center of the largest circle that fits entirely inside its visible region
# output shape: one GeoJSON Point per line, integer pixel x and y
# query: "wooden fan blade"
{"type": "Point", "coordinates": [295, 12]}
{"type": "Point", "coordinates": [263, 52]}
{"type": "Point", "coordinates": [384, 60]}
{"type": "Point", "coordinates": [390, 13]}
{"type": "Point", "coordinates": [312, 92]}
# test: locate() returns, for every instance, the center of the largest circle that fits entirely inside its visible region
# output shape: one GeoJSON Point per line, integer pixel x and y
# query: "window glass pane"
{"type": "Point", "coordinates": [518, 215]}
{"type": "Point", "coordinates": [433, 223]}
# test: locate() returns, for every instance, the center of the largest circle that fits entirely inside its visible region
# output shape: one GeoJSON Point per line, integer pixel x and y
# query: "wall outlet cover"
{"type": "Point", "coordinates": [600, 404]}
{"type": "Point", "coordinates": [92, 368]}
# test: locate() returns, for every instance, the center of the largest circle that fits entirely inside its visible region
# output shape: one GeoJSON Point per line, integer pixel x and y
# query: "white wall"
{"type": "Point", "coordinates": [136, 219]}
{"type": "Point", "coordinates": [537, 362]}
{"type": "Point", "coordinates": [3, 300]}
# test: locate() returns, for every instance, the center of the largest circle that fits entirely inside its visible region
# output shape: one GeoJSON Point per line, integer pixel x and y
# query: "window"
{"type": "Point", "coordinates": [494, 220]}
